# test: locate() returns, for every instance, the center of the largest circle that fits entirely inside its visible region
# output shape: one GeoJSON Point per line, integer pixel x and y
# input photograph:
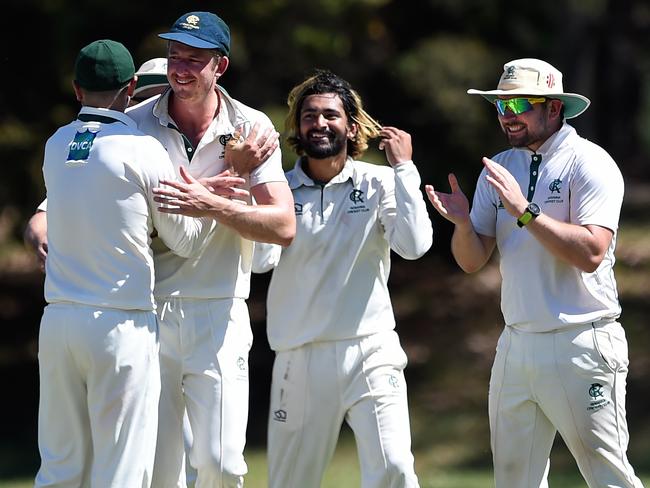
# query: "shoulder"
{"type": "Point", "coordinates": [143, 110]}
{"type": "Point", "coordinates": [252, 114]}
{"type": "Point", "coordinates": [372, 170]}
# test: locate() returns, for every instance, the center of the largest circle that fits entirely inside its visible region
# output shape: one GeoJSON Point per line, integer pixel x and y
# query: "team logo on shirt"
{"type": "Point", "coordinates": [280, 415]}
{"type": "Point", "coordinates": [79, 148]}
{"type": "Point", "coordinates": [393, 381]}
{"type": "Point", "coordinates": [356, 197]}
{"type": "Point", "coordinates": [597, 395]}
{"type": "Point", "coordinates": [241, 363]}
{"type": "Point", "coordinates": [555, 186]}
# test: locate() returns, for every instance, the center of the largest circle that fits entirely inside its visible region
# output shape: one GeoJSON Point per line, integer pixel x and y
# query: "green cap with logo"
{"type": "Point", "coordinates": [104, 65]}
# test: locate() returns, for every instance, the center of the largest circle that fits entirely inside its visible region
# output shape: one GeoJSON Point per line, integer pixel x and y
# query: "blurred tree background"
{"type": "Point", "coordinates": [412, 62]}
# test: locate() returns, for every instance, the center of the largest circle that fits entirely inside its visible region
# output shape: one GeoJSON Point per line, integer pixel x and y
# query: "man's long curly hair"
{"type": "Point", "coordinates": [324, 81]}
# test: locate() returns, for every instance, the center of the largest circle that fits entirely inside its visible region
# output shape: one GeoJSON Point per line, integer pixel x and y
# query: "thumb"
{"type": "Point", "coordinates": [187, 177]}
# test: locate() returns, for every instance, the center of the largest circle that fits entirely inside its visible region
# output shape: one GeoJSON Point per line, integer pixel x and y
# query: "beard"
{"type": "Point", "coordinates": [331, 145]}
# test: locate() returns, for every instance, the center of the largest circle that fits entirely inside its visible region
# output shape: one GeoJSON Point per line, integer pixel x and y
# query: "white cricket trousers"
{"type": "Point", "coordinates": [99, 389]}
{"type": "Point", "coordinates": [317, 386]}
{"type": "Point", "coordinates": [571, 381]}
{"type": "Point", "coordinates": [204, 347]}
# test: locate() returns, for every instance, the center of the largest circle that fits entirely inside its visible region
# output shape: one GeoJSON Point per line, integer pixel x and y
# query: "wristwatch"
{"type": "Point", "coordinates": [532, 211]}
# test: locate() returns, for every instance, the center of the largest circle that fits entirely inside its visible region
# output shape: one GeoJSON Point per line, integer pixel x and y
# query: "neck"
{"type": "Point", "coordinates": [324, 170]}
{"type": "Point", "coordinates": [194, 117]}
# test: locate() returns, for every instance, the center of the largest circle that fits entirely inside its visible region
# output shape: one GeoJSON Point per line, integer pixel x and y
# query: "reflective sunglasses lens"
{"type": "Point", "coordinates": [516, 105]}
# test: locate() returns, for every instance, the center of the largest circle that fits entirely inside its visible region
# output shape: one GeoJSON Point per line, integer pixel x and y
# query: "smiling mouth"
{"type": "Point", "coordinates": [513, 128]}
{"type": "Point", "coordinates": [319, 136]}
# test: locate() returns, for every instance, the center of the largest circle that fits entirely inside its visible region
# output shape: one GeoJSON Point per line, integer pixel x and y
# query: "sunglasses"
{"type": "Point", "coordinates": [517, 105]}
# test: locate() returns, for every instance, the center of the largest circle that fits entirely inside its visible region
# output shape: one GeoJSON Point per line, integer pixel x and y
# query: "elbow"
{"type": "Point", "coordinates": [287, 231]}
{"type": "Point", "coordinates": [416, 250]}
{"type": "Point", "coordinates": [469, 268]}
{"type": "Point", "coordinates": [591, 264]}
{"type": "Point", "coordinates": [286, 238]}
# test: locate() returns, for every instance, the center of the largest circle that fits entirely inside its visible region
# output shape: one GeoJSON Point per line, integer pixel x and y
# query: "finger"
{"type": "Point", "coordinates": [453, 183]}
{"type": "Point", "coordinates": [167, 193]}
{"type": "Point", "coordinates": [252, 136]}
{"type": "Point", "coordinates": [174, 184]}
{"type": "Point", "coordinates": [185, 174]}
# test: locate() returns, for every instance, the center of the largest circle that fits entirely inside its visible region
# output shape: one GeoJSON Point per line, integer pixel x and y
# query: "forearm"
{"type": "Point", "coordinates": [581, 246]}
{"type": "Point", "coordinates": [274, 223]}
{"type": "Point", "coordinates": [470, 250]}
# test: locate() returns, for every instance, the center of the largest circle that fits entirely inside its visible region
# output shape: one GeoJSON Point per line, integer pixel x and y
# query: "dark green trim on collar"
{"type": "Point", "coordinates": [189, 149]}
{"type": "Point", "coordinates": [97, 118]}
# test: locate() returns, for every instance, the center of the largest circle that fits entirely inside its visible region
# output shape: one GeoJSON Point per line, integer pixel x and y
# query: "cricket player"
{"type": "Point", "coordinates": [330, 318]}
{"type": "Point", "coordinates": [551, 205]}
{"type": "Point", "coordinates": [205, 328]}
{"type": "Point", "coordinates": [98, 342]}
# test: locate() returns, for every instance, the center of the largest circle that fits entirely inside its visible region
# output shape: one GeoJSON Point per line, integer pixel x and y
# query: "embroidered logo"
{"type": "Point", "coordinates": [596, 390]}
{"type": "Point", "coordinates": [356, 196]}
{"type": "Point", "coordinates": [280, 415]}
{"type": "Point", "coordinates": [79, 148]}
{"type": "Point", "coordinates": [297, 208]}
{"type": "Point", "coordinates": [550, 80]}
{"type": "Point", "coordinates": [393, 381]}
{"type": "Point", "coordinates": [510, 73]}
{"type": "Point", "coordinates": [597, 394]}
{"type": "Point", "coordinates": [241, 363]}
{"type": "Point", "coordinates": [191, 22]}
{"type": "Point", "coordinates": [555, 186]}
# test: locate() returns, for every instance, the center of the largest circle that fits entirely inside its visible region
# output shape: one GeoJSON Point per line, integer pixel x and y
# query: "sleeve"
{"type": "Point", "coordinates": [265, 257]}
{"type": "Point", "coordinates": [271, 169]}
{"type": "Point", "coordinates": [183, 235]}
{"type": "Point", "coordinates": [403, 213]}
{"type": "Point", "coordinates": [484, 207]}
{"type": "Point", "coordinates": [597, 189]}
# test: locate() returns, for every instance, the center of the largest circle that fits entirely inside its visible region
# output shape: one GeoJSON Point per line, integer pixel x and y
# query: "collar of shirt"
{"type": "Point", "coordinates": [106, 115]}
{"type": "Point", "coordinates": [553, 143]}
{"type": "Point", "coordinates": [225, 121]}
{"type": "Point", "coordinates": [299, 177]}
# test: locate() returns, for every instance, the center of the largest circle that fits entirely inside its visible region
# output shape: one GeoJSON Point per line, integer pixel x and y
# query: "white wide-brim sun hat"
{"type": "Point", "coordinates": [151, 74]}
{"type": "Point", "coordinates": [534, 77]}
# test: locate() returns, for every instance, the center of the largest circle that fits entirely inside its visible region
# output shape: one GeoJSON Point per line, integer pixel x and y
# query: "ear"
{"type": "Point", "coordinates": [353, 128]}
{"type": "Point", "coordinates": [554, 109]}
{"type": "Point", "coordinates": [77, 91]}
{"type": "Point", "coordinates": [224, 62]}
{"type": "Point", "coordinates": [132, 85]}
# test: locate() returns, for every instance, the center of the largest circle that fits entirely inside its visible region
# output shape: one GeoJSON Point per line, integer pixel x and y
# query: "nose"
{"type": "Point", "coordinates": [320, 121]}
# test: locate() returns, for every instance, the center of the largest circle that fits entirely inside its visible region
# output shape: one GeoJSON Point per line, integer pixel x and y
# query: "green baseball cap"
{"type": "Point", "coordinates": [104, 65]}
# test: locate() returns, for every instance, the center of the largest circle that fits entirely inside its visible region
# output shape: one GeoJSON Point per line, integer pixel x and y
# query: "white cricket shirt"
{"type": "Point", "coordinates": [99, 172]}
{"type": "Point", "coordinates": [222, 269]}
{"type": "Point", "coordinates": [572, 180]}
{"type": "Point", "coordinates": [331, 283]}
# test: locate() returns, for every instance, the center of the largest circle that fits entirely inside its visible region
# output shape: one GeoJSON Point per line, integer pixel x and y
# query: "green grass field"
{"type": "Point", "coordinates": [344, 473]}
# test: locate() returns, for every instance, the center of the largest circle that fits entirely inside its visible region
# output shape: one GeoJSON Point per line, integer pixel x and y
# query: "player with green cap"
{"type": "Point", "coordinates": [98, 342]}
